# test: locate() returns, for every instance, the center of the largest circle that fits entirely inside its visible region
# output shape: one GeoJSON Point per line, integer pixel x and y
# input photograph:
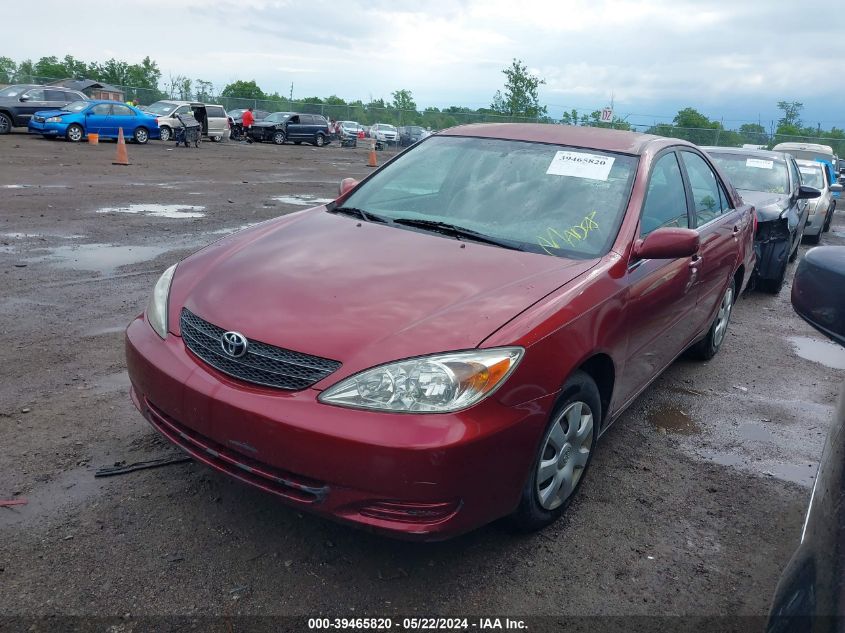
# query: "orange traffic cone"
{"type": "Point", "coordinates": [372, 162]}
{"type": "Point", "coordinates": [122, 157]}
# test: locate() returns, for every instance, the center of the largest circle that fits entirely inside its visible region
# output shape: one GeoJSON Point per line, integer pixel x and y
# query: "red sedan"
{"type": "Point", "coordinates": [445, 343]}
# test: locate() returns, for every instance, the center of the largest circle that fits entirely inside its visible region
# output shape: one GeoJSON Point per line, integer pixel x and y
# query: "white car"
{"type": "Point", "coordinates": [384, 133]}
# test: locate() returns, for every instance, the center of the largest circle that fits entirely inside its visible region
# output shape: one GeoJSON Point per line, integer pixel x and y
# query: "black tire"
{"type": "Point", "coordinates": [6, 123]}
{"type": "Point", "coordinates": [141, 135]}
{"type": "Point", "coordinates": [166, 133]}
{"type": "Point", "coordinates": [531, 514]}
{"type": "Point", "coordinates": [216, 139]}
{"type": "Point", "coordinates": [75, 133]}
{"type": "Point", "coordinates": [320, 140]}
{"type": "Point", "coordinates": [709, 346]}
{"type": "Point", "coordinates": [828, 220]}
{"type": "Point", "coordinates": [279, 138]}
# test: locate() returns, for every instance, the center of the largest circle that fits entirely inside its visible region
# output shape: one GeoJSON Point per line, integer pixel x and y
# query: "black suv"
{"type": "Point", "coordinates": [280, 127]}
{"type": "Point", "coordinates": [410, 134]}
{"type": "Point", "coordinates": [18, 103]}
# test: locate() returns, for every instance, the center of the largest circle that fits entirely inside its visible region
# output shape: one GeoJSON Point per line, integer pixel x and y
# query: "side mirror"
{"type": "Point", "coordinates": [836, 187]}
{"type": "Point", "coordinates": [821, 269]}
{"type": "Point", "coordinates": [346, 185]}
{"type": "Point", "coordinates": [808, 193]}
{"type": "Point", "coordinates": [667, 243]}
{"type": "Point", "coordinates": [24, 98]}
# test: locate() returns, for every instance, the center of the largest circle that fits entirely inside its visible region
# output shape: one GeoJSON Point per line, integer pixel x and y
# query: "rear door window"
{"type": "Point", "coordinates": [58, 95]}
{"type": "Point", "coordinates": [215, 111]}
{"type": "Point", "coordinates": [706, 194]}
{"type": "Point", "coordinates": [101, 109]}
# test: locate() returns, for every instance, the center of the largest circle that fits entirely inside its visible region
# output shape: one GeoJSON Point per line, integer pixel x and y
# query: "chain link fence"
{"type": "Point", "coordinates": [434, 119]}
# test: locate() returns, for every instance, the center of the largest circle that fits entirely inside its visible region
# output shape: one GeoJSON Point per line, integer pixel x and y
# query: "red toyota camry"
{"type": "Point", "coordinates": [445, 343]}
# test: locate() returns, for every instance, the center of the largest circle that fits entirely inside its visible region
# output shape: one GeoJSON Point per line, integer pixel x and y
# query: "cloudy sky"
{"type": "Point", "coordinates": [731, 59]}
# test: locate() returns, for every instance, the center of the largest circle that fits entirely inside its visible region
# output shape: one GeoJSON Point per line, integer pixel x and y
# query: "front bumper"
{"type": "Point", "coordinates": [419, 476]}
{"type": "Point", "coordinates": [46, 129]}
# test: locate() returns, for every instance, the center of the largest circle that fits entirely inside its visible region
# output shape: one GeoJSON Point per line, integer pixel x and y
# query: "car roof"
{"type": "Point", "coordinates": [811, 147]}
{"type": "Point", "coordinates": [759, 153]}
{"type": "Point", "coordinates": [604, 139]}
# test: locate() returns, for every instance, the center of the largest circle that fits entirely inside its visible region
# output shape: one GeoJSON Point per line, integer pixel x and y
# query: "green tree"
{"type": "Point", "coordinates": [205, 90]}
{"type": "Point", "coordinates": [791, 113]}
{"type": "Point", "coordinates": [8, 70]}
{"type": "Point", "coordinates": [521, 97]}
{"type": "Point", "coordinates": [753, 134]}
{"type": "Point", "coordinates": [404, 100]}
{"type": "Point", "coordinates": [692, 118]}
{"type": "Point", "coordinates": [243, 90]}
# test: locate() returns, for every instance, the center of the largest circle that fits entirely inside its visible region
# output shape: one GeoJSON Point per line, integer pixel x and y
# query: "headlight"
{"type": "Point", "coordinates": [157, 308]}
{"type": "Point", "coordinates": [439, 384]}
{"type": "Point", "coordinates": [54, 119]}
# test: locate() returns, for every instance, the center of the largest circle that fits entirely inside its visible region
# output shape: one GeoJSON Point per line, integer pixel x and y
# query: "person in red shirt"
{"type": "Point", "coordinates": [246, 122]}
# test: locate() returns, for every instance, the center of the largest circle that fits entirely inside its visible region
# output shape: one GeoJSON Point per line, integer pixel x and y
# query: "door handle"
{"type": "Point", "coordinates": [736, 229]}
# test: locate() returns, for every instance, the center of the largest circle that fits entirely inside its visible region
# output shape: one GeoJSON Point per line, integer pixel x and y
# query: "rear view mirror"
{"type": "Point", "coordinates": [24, 98]}
{"type": "Point", "coordinates": [821, 269]}
{"type": "Point", "coordinates": [346, 185]}
{"type": "Point", "coordinates": [836, 187]}
{"type": "Point", "coordinates": [808, 193]}
{"type": "Point", "coordinates": [667, 243]}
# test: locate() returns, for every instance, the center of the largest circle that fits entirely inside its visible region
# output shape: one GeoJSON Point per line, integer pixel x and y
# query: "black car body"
{"type": "Point", "coordinates": [771, 182]}
{"type": "Point", "coordinates": [19, 102]}
{"type": "Point", "coordinates": [810, 597]}
{"type": "Point", "coordinates": [281, 127]}
{"type": "Point", "coordinates": [410, 134]}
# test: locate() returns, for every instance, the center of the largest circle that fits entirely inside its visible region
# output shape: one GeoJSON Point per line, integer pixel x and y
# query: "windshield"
{"type": "Point", "coordinates": [235, 113]}
{"type": "Point", "coordinates": [811, 175]}
{"type": "Point", "coordinates": [754, 174]}
{"type": "Point", "coordinates": [161, 107]}
{"type": "Point", "coordinates": [77, 106]}
{"type": "Point", "coordinates": [277, 117]}
{"type": "Point", "coordinates": [385, 128]}
{"type": "Point", "coordinates": [548, 199]}
{"type": "Point", "coordinates": [13, 91]}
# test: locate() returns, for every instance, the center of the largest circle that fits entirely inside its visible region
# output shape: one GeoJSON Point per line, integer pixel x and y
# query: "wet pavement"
{"type": "Point", "coordinates": [692, 506]}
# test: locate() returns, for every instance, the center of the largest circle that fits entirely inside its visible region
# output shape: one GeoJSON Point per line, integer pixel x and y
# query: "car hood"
{"type": "Point", "coordinates": [56, 112]}
{"type": "Point", "coordinates": [769, 206]}
{"type": "Point", "coordinates": [264, 123]}
{"type": "Point", "coordinates": [360, 292]}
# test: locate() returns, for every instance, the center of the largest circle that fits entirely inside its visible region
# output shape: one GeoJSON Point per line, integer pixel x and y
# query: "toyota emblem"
{"type": "Point", "coordinates": [234, 344]}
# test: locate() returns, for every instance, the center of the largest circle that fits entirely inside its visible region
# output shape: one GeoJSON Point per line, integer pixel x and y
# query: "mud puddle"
{"type": "Point", "coordinates": [102, 258]}
{"type": "Point", "coordinates": [302, 200]}
{"type": "Point", "coordinates": [174, 211]}
{"type": "Point", "coordinates": [819, 351]}
{"type": "Point", "coordinates": [802, 474]}
{"type": "Point", "coordinates": [71, 487]}
{"type": "Point", "coordinates": [673, 420]}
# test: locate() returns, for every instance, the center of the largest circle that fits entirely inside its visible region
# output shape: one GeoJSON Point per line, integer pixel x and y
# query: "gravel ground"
{"type": "Point", "coordinates": [693, 505]}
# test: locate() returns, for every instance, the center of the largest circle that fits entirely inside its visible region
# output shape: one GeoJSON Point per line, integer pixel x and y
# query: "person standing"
{"type": "Point", "coordinates": [246, 123]}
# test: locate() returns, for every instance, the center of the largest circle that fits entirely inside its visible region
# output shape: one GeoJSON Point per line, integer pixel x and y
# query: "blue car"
{"type": "Point", "coordinates": [76, 120]}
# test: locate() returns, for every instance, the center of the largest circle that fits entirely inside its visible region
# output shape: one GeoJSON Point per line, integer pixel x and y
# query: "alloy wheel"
{"type": "Point", "coordinates": [5, 124]}
{"type": "Point", "coordinates": [565, 453]}
{"type": "Point", "coordinates": [74, 133]}
{"type": "Point", "coordinates": [723, 316]}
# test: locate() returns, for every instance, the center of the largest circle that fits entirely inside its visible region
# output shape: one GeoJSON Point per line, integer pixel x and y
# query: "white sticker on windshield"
{"type": "Point", "coordinates": [581, 165]}
{"type": "Point", "coordinates": [759, 163]}
{"type": "Point", "coordinates": [808, 170]}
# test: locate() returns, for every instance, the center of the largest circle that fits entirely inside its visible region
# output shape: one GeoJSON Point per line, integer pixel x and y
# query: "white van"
{"type": "Point", "coordinates": [213, 118]}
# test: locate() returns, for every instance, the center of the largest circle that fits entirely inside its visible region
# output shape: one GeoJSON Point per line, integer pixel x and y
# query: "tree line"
{"type": "Point", "coordinates": [518, 101]}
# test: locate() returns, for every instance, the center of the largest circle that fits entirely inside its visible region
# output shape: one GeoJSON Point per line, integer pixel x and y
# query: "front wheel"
{"type": "Point", "coordinates": [707, 347]}
{"type": "Point", "coordinates": [75, 133]}
{"type": "Point", "coordinates": [216, 139]}
{"type": "Point", "coordinates": [166, 133]}
{"type": "Point", "coordinates": [563, 455]}
{"type": "Point", "coordinates": [320, 141]}
{"type": "Point", "coordinates": [141, 135]}
{"type": "Point", "coordinates": [279, 138]}
{"type": "Point", "coordinates": [5, 123]}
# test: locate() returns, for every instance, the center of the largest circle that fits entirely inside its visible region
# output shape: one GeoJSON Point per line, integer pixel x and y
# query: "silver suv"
{"type": "Point", "coordinates": [814, 174]}
{"type": "Point", "coordinates": [212, 118]}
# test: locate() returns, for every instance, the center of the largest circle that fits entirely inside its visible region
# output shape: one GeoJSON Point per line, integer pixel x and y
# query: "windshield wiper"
{"type": "Point", "coordinates": [358, 213]}
{"type": "Point", "coordinates": [457, 231]}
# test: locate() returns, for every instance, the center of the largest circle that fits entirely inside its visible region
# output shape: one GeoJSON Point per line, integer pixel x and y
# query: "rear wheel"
{"type": "Point", "coordinates": [141, 135]}
{"type": "Point", "coordinates": [5, 123]}
{"type": "Point", "coordinates": [563, 456]}
{"type": "Point", "coordinates": [707, 347]}
{"type": "Point", "coordinates": [166, 133]}
{"type": "Point", "coordinates": [216, 139]}
{"type": "Point", "coordinates": [75, 133]}
{"type": "Point", "coordinates": [279, 138]}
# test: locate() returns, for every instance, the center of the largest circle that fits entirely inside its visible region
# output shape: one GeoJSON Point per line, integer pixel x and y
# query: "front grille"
{"type": "Point", "coordinates": [261, 365]}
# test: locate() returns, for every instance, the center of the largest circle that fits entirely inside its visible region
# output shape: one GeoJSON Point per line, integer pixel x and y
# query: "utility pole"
{"type": "Point", "coordinates": [290, 98]}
